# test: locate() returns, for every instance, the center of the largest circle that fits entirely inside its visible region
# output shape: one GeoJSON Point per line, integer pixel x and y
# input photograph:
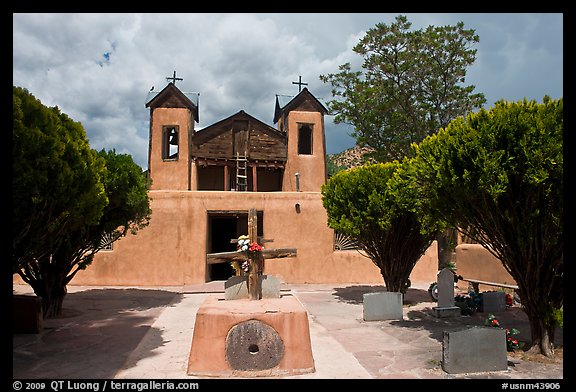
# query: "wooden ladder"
{"type": "Point", "coordinates": [241, 174]}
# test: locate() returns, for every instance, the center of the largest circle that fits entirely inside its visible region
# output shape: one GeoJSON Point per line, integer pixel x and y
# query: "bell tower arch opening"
{"type": "Point", "coordinates": [170, 141]}
{"type": "Point", "coordinates": [305, 139]}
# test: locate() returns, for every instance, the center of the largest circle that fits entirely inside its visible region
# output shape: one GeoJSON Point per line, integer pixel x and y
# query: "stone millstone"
{"type": "Point", "coordinates": [253, 345]}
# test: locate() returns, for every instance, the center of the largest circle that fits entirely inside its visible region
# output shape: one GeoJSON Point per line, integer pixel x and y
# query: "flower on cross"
{"type": "Point", "coordinates": [243, 243]}
{"type": "Point", "coordinates": [251, 249]}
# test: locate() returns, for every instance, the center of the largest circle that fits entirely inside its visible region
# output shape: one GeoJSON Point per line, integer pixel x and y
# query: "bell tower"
{"type": "Point", "coordinates": [302, 118]}
{"type": "Point", "coordinates": [172, 117]}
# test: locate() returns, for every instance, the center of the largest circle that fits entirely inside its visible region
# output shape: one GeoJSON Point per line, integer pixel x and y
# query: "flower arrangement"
{"type": "Point", "coordinates": [469, 303]}
{"type": "Point", "coordinates": [511, 342]}
{"type": "Point", "coordinates": [509, 300]}
{"type": "Point", "coordinates": [252, 251]}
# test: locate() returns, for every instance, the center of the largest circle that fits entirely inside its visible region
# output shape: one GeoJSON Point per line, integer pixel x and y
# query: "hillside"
{"type": "Point", "coordinates": [351, 157]}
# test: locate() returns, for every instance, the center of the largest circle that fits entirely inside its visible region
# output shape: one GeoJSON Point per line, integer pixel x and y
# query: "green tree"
{"type": "Point", "coordinates": [128, 209]}
{"type": "Point", "coordinates": [378, 205]}
{"type": "Point", "coordinates": [411, 84]}
{"type": "Point", "coordinates": [122, 201]}
{"type": "Point", "coordinates": [498, 175]}
{"type": "Point", "coordinates": [332, 167]}
{"type": "Point", "coordinates": [56, 184]}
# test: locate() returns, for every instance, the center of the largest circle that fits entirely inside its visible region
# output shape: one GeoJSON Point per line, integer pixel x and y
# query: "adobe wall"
{"type": "Point", "coordinates": [475, 262]}
{"type": "Point", "coordinates": [169, 174]}
{"type": "Point", "coordinates": [312, 168]}
{"type": "Point", "coordinates": [171, 251]}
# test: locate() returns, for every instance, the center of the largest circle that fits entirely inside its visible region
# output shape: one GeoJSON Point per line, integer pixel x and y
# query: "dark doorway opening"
{"type": "Point", "coordinates": [224, 226]}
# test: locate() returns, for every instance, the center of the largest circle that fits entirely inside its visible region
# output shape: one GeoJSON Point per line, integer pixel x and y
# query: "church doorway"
{"type": "Point", "coordinates": [222, 227]}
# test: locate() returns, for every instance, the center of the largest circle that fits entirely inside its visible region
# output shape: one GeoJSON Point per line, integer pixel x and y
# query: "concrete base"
{"type": "Point", "coordinates": [236, 287]}
{"type": "Point", "coordinates": [451, 311]}
{"type": "Point", "coordinates": [27, 314]}
{"type": "Point", "coordinates": [218, 323]}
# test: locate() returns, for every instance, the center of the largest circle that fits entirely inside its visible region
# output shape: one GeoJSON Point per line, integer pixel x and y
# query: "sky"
{"type": "Point", "coordinates": [99, 68]}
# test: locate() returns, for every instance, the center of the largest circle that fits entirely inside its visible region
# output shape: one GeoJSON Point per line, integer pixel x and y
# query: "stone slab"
{"type": "Point", "coordinates": [382, 306]}
{"type": "Point", "coordinates": [493, 301]}
{"type": "Point", "coordinates": [236, 287]}
{"type": "Point", "coordinates": [26, 314]}
{"type": "Point", "coordinates": [217, 319]}
{"type": "Point", "coordinates": [453, 311]}
{"type": "Point", "coordinates": [445, 288]}
{"type": "Point", "coordinates": [473, 350]}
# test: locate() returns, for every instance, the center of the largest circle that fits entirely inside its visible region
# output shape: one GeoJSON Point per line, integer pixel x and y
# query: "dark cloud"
{"type": "Point", "coordinates": [98, 68]}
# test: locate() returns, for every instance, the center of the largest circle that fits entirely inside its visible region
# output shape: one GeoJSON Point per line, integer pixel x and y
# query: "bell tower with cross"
{"type": "Point", "coordinates": [302, 118]}
{"type": "Point", "coordinates": [172, 117]}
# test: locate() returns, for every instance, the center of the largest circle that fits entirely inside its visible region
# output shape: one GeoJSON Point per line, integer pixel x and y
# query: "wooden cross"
{"type": "Point", "coordinates": [256, 266]}
{"type": "Point", "coordinates": [300, 83]}
{"type": "Point", "coordinates": [174, 78]}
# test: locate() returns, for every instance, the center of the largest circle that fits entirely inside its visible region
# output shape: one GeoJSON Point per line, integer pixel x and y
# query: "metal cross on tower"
{"type": "Point", "coordinates": [173, 78]}
{"type": "Point", "coordinates": [300, 83]}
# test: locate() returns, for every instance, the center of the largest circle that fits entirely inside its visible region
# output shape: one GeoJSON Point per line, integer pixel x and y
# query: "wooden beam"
{"type": "Point", "coordinates": [257, 264]}
{"type": "Point", "coordinates": [477, 282]}
{"type": "Point", "coordinates": [226, 179]}
{"type": "Point", "coordinates": [261, 240]}
{"type": "Point", "coordinates": [223, 257]}
{"type": "Point", "coordinates": [279, 253]}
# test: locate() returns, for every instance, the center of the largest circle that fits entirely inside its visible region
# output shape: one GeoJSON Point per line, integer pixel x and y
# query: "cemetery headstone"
{"type": "Point", "coordinates": [446, 307]}
{"type": "Point", "coordinates": [475, 349]}
{"type": "Point", "coordinates": [382, 306]}
{"type": "Point", "coordinates": [493, 301]}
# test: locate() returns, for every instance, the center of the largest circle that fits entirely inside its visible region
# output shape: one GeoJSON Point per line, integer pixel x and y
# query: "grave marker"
{"type": "Point", "coordinates": [475, 349]}
{"type": "Point", "coordinates": [493, 301]}
{"type": "Point", "coordinates": [382, 306]}
{"type": "Point", "coordinates": [446, 307]}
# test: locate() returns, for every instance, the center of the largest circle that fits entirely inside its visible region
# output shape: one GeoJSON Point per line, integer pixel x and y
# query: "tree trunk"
{"type": "Point", "coordinates": [391, 284]}
{"type": "Point", "coordinates": [446, 245]}
{"type": "Point", "coordinates": [52, 293]}
{"type": "Point", "coordinates": [52, 289]}
{"type": "Point", "coordinates": [52, 307]}
{"type": "Point", "coordinates": [396, 283]}
{"type": "Point", "coordinates": [542, 335]}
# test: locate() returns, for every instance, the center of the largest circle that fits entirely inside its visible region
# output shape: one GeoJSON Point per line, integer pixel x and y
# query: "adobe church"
{"type": "Point", "coordinates": [205, 181]}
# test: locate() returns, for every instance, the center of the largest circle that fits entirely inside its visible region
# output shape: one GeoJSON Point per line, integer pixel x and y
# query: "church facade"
{"type": "Point", "coordinates": [205, 181]}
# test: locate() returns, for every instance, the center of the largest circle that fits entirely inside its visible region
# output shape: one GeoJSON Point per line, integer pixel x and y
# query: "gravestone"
{"type": "Point", "coordinates": [382, 306]}
{"type": "Point", "coordinates": [446, 307]}
{"type": "Point", "coordinates": [493, 301]}
{"type": "Point", "coordinates": [475, 349]}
